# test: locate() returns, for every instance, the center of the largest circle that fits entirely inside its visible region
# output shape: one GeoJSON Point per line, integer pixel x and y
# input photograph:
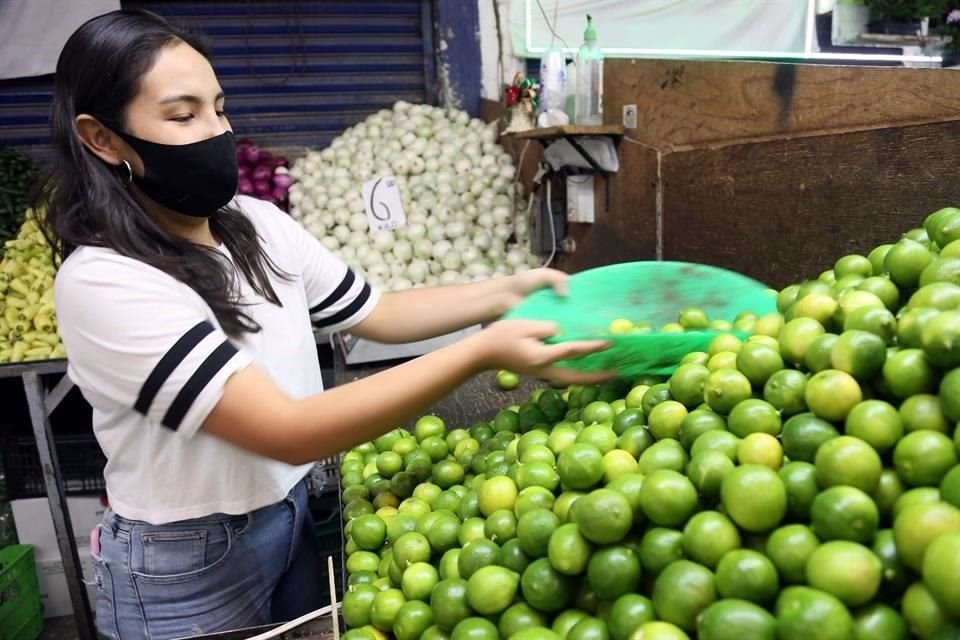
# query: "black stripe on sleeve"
{"type": "Point", "coordinates": [200, 378]}
{"type": "Point", "coordinates": [170, 360]}
{"type": "Point", "coordinates": [347, 311]}
{"type": "Point", "coordinates": [348, 279]}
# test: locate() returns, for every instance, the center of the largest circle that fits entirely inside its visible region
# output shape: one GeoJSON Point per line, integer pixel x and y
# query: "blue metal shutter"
{"type": "Point", "coordinates": [295, 73]}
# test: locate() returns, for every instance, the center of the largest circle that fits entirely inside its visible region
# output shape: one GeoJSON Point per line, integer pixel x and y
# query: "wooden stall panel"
{"type": "Point", "coordinates": [694, 103]}
{"type": "Point", "coordinates": [785, 210]}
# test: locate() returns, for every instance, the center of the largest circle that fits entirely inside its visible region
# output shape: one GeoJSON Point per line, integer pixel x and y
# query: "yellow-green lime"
{"type": "Point", "coordinates": [687, 382]}
{"type": "Point", "coordinates": [754, 497]}
{"type": "Point", "coordinates": [923, 412]}
{"type": "Point", "coordinates": [761, 448]}
{"type": "Point", "coordinates": [922, 458]}
{"type": "Point", "coordinates": [604, 516]}
{"type": "Point", "coordinates": [797, 336]}
{"type": "Point", "coordinates": [788, 548]}
{"type": "Point", "coordinates": [681, 593]}
{"type": "Point", "coordinates": [849, 461]}
{"type": "Point", "coordinates": [747, 575]}
{"type": "Point", "coordinates": [802, 611]}
{"type": "Point", "coordinates": [941, 566]}
{"type": "Point", "coordinates": [708, 536]}
{"type": "Point", "coordinates": [917, 526]}
{"type": "Point", "coordinates": [844, 513]}
{"type": "Point", "coordinates": [580, 466]}
{"type": "Point", "coordinates": [848, 570]}
{"type": "Point", "coordinates": [614, 571]}
{"type": "Point", "coordinates": [725, 388]}
{"type": "Point", "coordinates": [659, 548]}
{"type": "Point", "coordinates": [384, 609]}
{"type": "Point", "coordinates": [753, 416]}
{"type": "Point", "coordinates": [722, 441]}
{"type": "Point", "coordinates": [665, 419]}
{"type": "Point", "coordinates": [950, 395]}
{"type": "Point", "coordinates": [905, 261]}
{"type": "Point", "coordinates": [924, 615]}
{"type": "Point", "coordinates": [667, 498]}
{"type": "Point", "coordinates": [831, 394]}
{"type": "Point", "coordinates": [817, 306]}
{"type": "Point", "coordinates": [698, 422]}
{"type": "Point", "coordinates": [732, 619]}
{"type": "Point", "coordinates": [491, 589]}
{"type": "Point", "coordinates": [707, 471]}
{"type": "Point", "coordinates": [666, 454]}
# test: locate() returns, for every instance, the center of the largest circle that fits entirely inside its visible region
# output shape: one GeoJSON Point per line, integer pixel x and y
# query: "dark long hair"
{"type": "Point", "coordinates": [89, 203]}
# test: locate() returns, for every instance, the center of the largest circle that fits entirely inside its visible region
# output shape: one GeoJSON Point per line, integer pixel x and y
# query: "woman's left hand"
{"type": "Point", "coordinates": [523, 284]}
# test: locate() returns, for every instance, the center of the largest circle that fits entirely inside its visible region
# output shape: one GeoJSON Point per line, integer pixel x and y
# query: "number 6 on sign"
{"type": "Point", "coordinates": [381, 198]}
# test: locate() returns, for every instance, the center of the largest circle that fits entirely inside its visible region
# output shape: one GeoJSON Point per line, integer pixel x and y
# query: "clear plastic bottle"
{"type": "Point", "coordinates": [588, 105]}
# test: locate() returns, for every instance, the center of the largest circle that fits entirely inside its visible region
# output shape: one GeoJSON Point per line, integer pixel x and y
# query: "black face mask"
{"type": "Point", "coordinates": [194, 179]}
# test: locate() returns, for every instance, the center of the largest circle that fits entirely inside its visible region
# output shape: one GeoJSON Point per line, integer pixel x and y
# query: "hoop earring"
{"type": "Point", "coordinates": [129, 170]}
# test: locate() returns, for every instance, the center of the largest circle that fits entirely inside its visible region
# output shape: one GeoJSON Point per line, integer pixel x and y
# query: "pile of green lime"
{"type": "Point", "coordinates": [799, 484]}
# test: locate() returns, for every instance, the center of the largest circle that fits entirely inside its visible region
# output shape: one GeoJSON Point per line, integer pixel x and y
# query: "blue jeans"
{"type": "Point", "coordinates": [216, 573]}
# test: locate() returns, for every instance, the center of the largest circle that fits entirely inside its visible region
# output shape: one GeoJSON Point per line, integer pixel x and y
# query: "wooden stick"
{"type": "Point", "coordinates": [333, 598]}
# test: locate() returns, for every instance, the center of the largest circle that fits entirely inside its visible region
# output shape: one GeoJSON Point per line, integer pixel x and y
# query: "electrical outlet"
{"type": "Point", "coordinates": [630, 116]}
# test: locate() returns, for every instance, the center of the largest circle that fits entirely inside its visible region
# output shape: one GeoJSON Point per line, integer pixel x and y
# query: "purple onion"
{"type": "Point", "coordinates": [282, 180]}
{"type": "Point", "coordinates": [262, 173]}
{"type": "Point", "coordinates": [279, 194]}
{"type": "Point", "coordinates": [252, 156]}
{"type": "Point", "coordinates": [245, 186]}
{"type": "Point", "coordinates": [265, 158]}
{"type": "Point", "coordinates": [262, 188]}
{"type": "Point", "coordinates": [243, 172]}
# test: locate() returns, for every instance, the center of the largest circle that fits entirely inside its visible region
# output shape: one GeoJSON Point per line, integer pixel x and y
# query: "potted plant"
{"type": "Point", "coordinates": [951, 30]}
{"type": "Point", "coordinates": [904, 17]}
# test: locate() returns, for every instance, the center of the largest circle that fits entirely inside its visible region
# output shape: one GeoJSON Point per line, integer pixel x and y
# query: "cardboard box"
{"type": "Point", "coordinates": [35, 524]}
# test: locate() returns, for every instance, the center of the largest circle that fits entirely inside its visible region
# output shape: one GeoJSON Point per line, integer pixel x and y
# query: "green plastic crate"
{"type": "Point", "coordinates": [30, 630]}
{"type": "Point", "coordinates": [22, 624]}
{"type": "Point", "coordinates": [18, 585]}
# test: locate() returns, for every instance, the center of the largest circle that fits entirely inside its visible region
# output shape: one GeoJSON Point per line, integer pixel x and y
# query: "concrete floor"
{"type": "Point", "coordinates": [62, 628]}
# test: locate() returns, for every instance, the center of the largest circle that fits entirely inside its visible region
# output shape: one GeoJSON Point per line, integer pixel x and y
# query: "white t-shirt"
{"type": "Point", "coordinates": [150, 357]}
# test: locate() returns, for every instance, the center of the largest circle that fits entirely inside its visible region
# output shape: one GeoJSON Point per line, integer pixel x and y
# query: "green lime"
{"type": "Point", "coordinates": [722, 441]}
{"type": "Point", "coordinates": [707, 471]}
{"type": "Point", "coordinates": [475, 629]}
{"type": "Point", "coordinates": [533, 498]}
{"type": "Point", "coordinates": [754, 497]}
{"type": "Point", "coordinates": [920, 495]}
{"type": "Point", "coordinates": [449, 603]}
{"type": "Point", "coordinates": [941, 566]}
{"type": "Point", "coordinates": [476, 555]}
{"type": "Point", "coordinates": [831, 394]}
{"type": "Point", "coordinates": [567, 620]}
{"type": "Point", "coordinates": [950, 395]}
{"type": "Point", "coordinates": [444, 534]}
{"type": "Point", "coordinates": [682, 591]}
{"type": "Point", "coordinates": [884, 289]}
{"type": "Point", "coordinates": [659, 548]}
{"type": "Point", "coordinates": [628, 613]}
{"type": "Point", "coordinates": [668, 498]}
{"type": "Point", "coordinates": [816, 306]}
{"type": "Point", "coordinates": [519, 617]}
{"type": "Point", "coordinates": [786, 297]}
{"type": "Point", "coordinates": [661, 631]}
{"type": "Point", "coordinates": [917, 526]}
{"type": "Point", "coordinates": [858, 353]}
{"type": "Point", "coordinates": [698, 422]}
{"type": "Point", "coordinates": [384, 609]}
{"type": "Point", "coordinates": [848, 570]}
{"type": "Point", "coordinates": [687, 382]}
{"type": "Point", "coordinates": [789, 548]}
{"type": "Point", "coordinates": [844, 513]}
{"type": "Point", "coordinates": [544, 588]}
{"type": "Point", "coordinates": [754, 416]}
{"type": "Point", "coordinates": [656, 394]}
{"type": "Point", "coordinates": [758, 362]}
{"type": "Point", "coordinates": [569, 550]}
{"type": "Point", "coordinates": [412, 620]}
{"type": "Point", "coordinates": [419, 580]}
{"type": "Point", "coordinates": [878, 321]}
{"type": "Point", "coordinates": [796, 337]}
{"type": "Point", "coordinates": [630, 485]}
{"type": "Point", "coordinates": [708, 536]}
{"type": "Point", "coordinates": [369, 532]}
{"type": "Point", "coordinates": [880, 621]}
{"type": "Point", "coordinates": [666, 418]}
{"type": "Point", "coordinates": [362, 561]}
{"type": "Point", "coordinates": [923, 412]}
{"type": "Point", "coordinates": [625, 420]}
{"type": "Point", "coordinates": [534, 530]}
{"type": "Point", "coordinates": [803, 434]}
{"type": "Point", "coordinates": [736, 620]}
{"type": "Point", "coordinates": [800, 480]}
{"type": "Point", "coordinates": [941, 339]}
{"type": "Point", "coordinates": [589, 628]}
{"type": "Point", "coordinates": [924, 615]}
{"type": "Point", "coordinates": [500, 526]}
{"type": "Point", "coordinates": [875, 422]}
{"type": "Point", "coordinates": [491, 589]}
{"type": "Point", "coordinates": [950, 487]}
{"type": "Point", "coordinates": [940, 296]}
{"type": "Point", "coordinates": [888, 492]}
{"type": "Point", "coordinates": [896, 577]}
{"type": "Point", "coordinates": [580, 466]}
{"type": "Point", "coordinates": [614, 571]}
{"type": "Point", "coordinates": [537, 474]}
{"type": "Point", "coordinates": [850, 461]}
{"type": "Point", "coordinates": [802, 611]}
{"type": "Point", "coordinates": [817, 357]}
{"type": "Point", "coordinates": [411, 548]}
{"type": "Point", "coordinates": [923, 458]}
{"type": "Point", "coordinates": [635, 440]}
{"type": "Point", "coordinates": [356, 605]}
{"type": "Point", "coordinates": [747, 575]}
{"type": "Point", "coordinates": [497, 493]}
{"type": "Point", "coordinates": [666, 454]}
{"type": "Point", "coordinates": [725, 388]}
{"type": "Point", "coordinates": [605, 516]}
{"type": "Point", "coordinates": [905, 261]}
{"type": "Point", "coordinates": [785, 391]}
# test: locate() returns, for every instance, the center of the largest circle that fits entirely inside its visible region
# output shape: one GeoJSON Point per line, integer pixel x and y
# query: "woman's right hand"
{"type": "Point", "coordinates": [517, 345]}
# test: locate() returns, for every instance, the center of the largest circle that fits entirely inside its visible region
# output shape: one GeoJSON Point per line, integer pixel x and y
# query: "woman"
{"type": "Point", "coordinates": [186, 314]}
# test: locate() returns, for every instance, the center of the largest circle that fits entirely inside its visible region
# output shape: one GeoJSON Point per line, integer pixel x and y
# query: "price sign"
{"type": "Point", "coordinates": [381, 197]}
